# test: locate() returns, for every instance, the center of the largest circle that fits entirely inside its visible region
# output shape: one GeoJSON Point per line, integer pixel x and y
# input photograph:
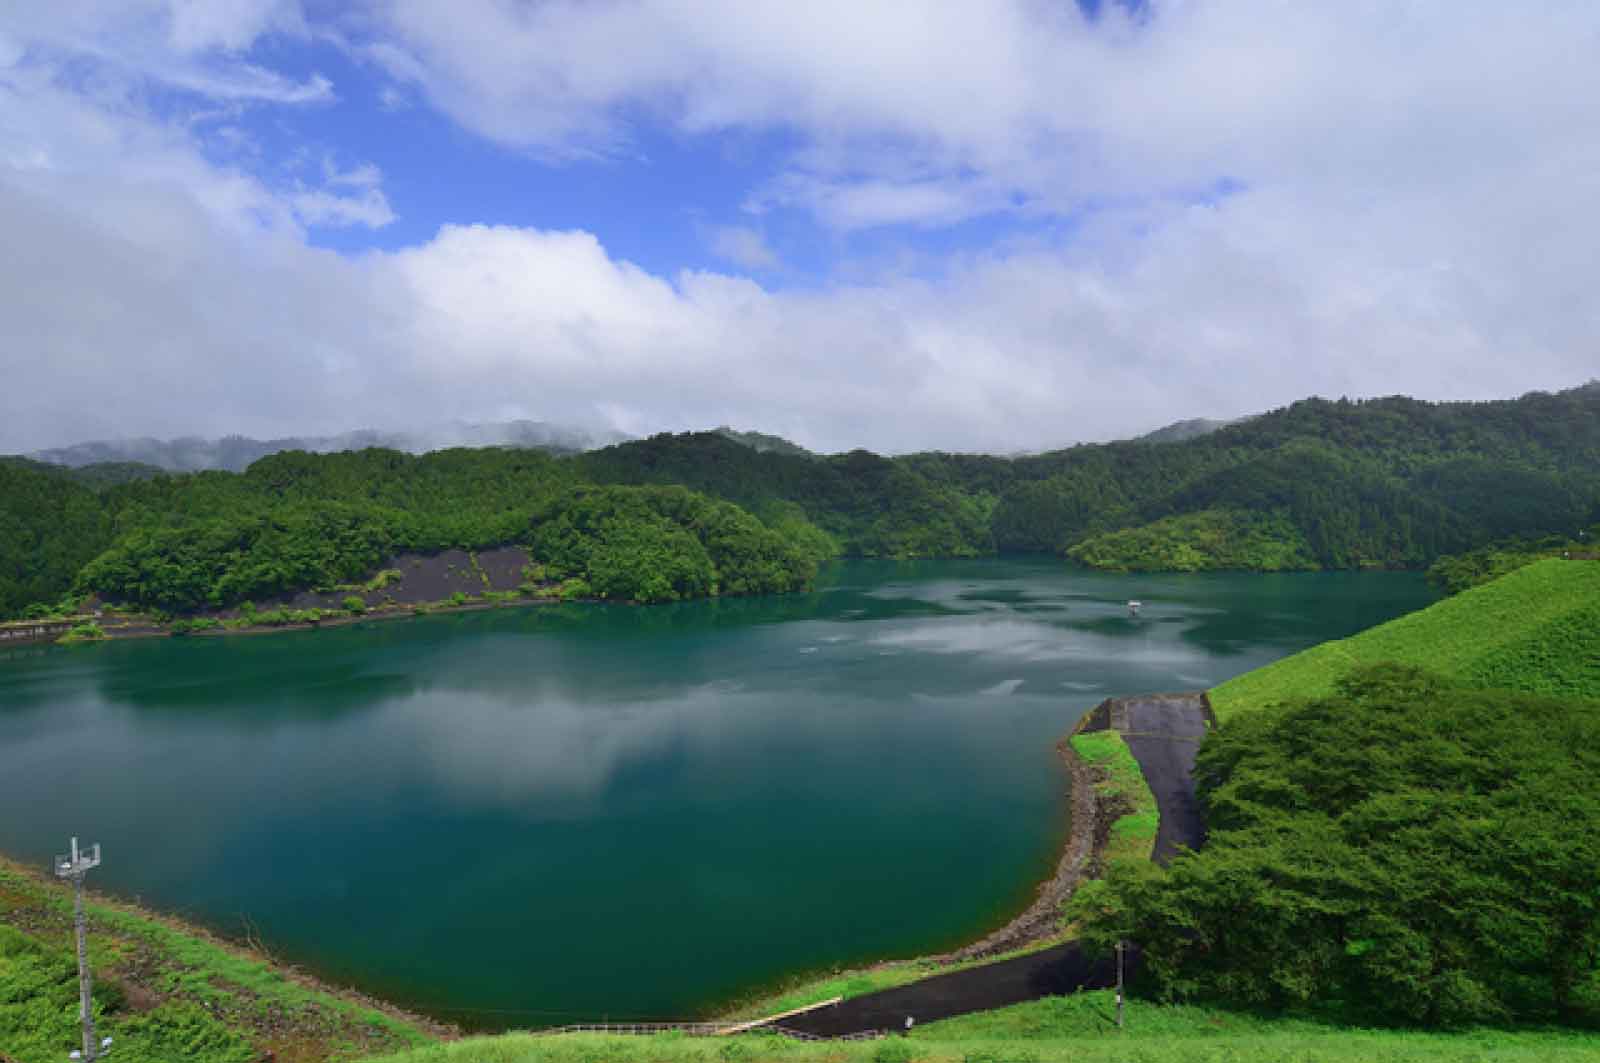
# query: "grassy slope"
{"type": "Point", "coordinates": [167, 992]}
{"type": "Point", "coordinates": [1536, 629]}
{"type": "Point", "coordinates": [1074, 1029]}
{"type": "Point", "coordinates": [1133, 833]}
{"type": "Point", "coordinates": [860, 981]}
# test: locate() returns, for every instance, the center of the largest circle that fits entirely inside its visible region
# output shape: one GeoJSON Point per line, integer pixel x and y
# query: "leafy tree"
{"type": "Point", "coordinates": [1407, 850]}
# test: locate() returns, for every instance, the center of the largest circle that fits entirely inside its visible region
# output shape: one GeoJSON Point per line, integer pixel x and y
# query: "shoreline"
{"type": "Point", "coordinates": [1035, 928]}
{"type": "Point", "coordinates": [1080, 853]}
{"type": "Point", "coordinates": [493, 585]}
{"type": "Point", "coordinates": [152, 960]}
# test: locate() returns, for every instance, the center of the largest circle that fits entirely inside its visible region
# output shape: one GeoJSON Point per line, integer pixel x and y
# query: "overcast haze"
{"type": "Point", "coordinates": [987, 225]}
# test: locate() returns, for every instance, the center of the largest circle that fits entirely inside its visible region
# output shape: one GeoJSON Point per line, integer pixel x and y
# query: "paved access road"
{"type": "Point", "coordinates": [1163, 731]}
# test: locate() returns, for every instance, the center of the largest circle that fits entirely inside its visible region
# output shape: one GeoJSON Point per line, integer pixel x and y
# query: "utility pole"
{"type": "Point", "coordinates": [1121, 947]}
{"type": "Point", "coordinates": [75, 865]}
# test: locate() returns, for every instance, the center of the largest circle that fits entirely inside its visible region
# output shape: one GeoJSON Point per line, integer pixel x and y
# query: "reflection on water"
{"type": "Point", "coordinates": [505, 809]}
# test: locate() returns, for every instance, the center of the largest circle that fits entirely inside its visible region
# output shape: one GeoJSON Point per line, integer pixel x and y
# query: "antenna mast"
{"type": "Point", "coordinates": [75, 865]}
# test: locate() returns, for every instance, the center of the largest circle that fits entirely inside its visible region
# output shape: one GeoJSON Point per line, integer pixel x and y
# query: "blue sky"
{"type": "Point", "coordinates": [965, 224]}
{"type": "Point", "coordinates": [659, 201]}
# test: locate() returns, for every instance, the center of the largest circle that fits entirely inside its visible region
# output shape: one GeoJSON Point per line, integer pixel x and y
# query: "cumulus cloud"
{"type": "Point", "coordinates": [347, 198]}
{"type": "Point", "coordinates": [910, 110]}
{"type": "Point", "coordinates": [193, 47]}
{"type": "Point", "coordinates": [1247, 204]}
{"type": "Point", "coordinates": [743, 246]}
{"type": "Point", "coordinates": [1215, 313]}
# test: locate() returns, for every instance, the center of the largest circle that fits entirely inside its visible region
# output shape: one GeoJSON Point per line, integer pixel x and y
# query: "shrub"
{"type": "Point", "coordinates": [85, 632]}
{"type": "Point", "coordinates": [893, 1050]}
{"type": "Point", "coordinates": [355, 604]}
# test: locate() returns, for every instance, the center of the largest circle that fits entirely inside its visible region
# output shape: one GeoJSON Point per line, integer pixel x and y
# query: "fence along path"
{"type": "Point", "coordinates": [766, 1024]}
{"type": "Point", "coordinates": [703, 1029]}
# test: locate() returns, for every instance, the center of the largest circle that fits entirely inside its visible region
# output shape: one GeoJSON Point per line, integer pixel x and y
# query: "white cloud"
{"type": "Point", "coordinates": [743, 246]}
{"type": "Point", "coordinates": [932, 112]}
{"type": "Point", "coordinates": [192, 45]}
{"type": "Point", "coordinates": [185, 324]}
{"type": "Point", "coordinates": [1413, 212]}
{"type": "Point", "coordinates": [369, 208]}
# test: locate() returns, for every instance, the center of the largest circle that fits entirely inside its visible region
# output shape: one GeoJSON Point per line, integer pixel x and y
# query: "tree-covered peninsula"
{"type": "Point", "coordinates": [1383, 483]}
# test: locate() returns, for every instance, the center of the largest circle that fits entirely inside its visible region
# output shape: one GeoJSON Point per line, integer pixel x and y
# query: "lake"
{"type": "Point", "coordinates": [529, 816]}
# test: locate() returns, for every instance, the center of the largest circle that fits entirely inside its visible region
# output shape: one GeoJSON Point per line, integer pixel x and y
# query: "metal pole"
{"type": "Point", "coordinates": [1120, 946]}
{"type": "Point", "coordinates": [85, 978]}
{"type": "Point", "coordinates": [74, 866]}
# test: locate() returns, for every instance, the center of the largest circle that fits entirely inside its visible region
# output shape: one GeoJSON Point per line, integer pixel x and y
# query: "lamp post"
{"type": "Point", "coordinates": [1121, 948]}
{"type": "Point", "coordinates": [75, 865]}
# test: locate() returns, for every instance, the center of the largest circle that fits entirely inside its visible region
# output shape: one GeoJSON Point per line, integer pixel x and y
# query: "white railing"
{"type": "Point", "coordinates": [699, 1029]}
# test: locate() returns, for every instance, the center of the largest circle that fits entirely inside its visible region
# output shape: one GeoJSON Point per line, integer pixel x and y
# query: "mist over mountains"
{"type": "Point", "coordinates": [237, 453]}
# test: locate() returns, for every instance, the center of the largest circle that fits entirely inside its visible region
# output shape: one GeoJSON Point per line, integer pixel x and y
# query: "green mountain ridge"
{"type": "Point", "coordinates": [1390, 482]}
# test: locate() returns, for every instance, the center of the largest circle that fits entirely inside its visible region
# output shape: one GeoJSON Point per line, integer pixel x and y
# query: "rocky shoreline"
{"type": "Point", "coordinates": [1088, 826]}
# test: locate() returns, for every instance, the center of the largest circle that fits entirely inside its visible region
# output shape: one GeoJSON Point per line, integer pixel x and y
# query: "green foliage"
{"type": "Point", "coordinates": [189, 625]}
{"type": "Point", "coordinates": [1200, 542]}
{"type": "Point", "coordinates": [660, 544]}
{"type": "Point", "coordinates": [1402, 850]}
{"type": "Point", "coordinates": [50, 526]}
{"type": "Point", "coordinates": [39, 1014]}
{"type": "Point", "coordinates": [88, 631]}
{"type": "Point", "coordinates": [1389, 482]}
{"type": "Point", "coordinates": [298, 520]}
{"type": "Point", "coordinates": [355, 604]}
{"type": "Point", "coordinates": [383, 579]}
{"type": "Point", "coordinates": [893, 1050]}
{"type": "Point", "coordinates": [1455, 573]}
{"type": "Point", "coordinates": [1072, 1029]}
{"type": "Point", "coordinates": [1384, 482]}
{"type": "Point", "coordinates": [1532, 630]}
{"type": "Point", "coordinates": [202, 1003]}
{"type": "Point", "coordinates": [574, 590]}
{"type": "Point", "coordinates": [862, 504]}
{"type": "Point", "coordinates": [1121, 787]}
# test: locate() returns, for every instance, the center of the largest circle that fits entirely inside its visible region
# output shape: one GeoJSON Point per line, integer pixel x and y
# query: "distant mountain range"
{"type": "Point", "coordinates": [1180, 431]}
{"type": "Point", "coordinates": [139, 457]}
{"type": "Point", "coordinates": [237, 453]}
{"type": "Point", "coordinates": [762, 443]}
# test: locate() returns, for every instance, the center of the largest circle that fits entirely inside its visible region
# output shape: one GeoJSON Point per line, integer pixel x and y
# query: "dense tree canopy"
{"type": "Point", "coordinates": [1406, 850]}
{"type": "Point", "coordinates": [1389, 482]}
{"type": "Point", "coordinates": [50, 525]}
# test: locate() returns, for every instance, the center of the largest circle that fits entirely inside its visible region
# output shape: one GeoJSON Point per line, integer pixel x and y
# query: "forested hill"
{"type": "Point", "coordinates": [1392, 482]}
{"type": "Point", "coordinates": [1318, 484]}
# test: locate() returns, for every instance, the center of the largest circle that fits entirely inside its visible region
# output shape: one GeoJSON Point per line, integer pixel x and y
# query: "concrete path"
{"type": "Point", "coordinates": [1163, 731]}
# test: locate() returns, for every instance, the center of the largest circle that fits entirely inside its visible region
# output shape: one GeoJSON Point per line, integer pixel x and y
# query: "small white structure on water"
{"type": "Point", "coordinates": [1134, 605]}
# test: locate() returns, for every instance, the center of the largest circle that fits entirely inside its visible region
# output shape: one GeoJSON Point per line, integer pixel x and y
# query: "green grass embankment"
{"type": "Point", "coordinates": [167, 993]}
{"type": "Point", "coordinates": [1536, 629]}
{"type": "Point", "coordinates": [1074, 1029]}
{"type": "Point", "coordinates": [859, 981]}
{"type": "Point", "coordinates": [1121, 787]}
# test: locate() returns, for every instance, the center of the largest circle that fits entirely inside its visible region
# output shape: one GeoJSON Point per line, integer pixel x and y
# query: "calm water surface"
{"type": "Point", "coordinates": [536, 815]}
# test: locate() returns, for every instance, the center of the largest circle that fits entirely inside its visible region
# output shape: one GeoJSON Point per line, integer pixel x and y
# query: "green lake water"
{"type": "Point", "coordinates": [538, 815]}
